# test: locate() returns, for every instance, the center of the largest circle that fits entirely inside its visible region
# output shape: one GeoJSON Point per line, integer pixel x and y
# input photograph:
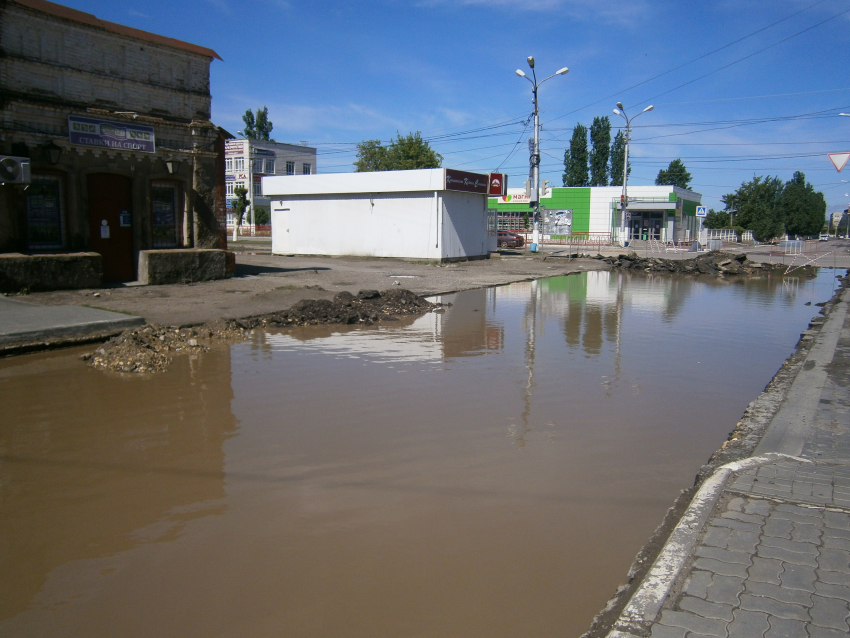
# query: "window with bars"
{"type": "Point", "coordinates": [45, 214]}
{"type": "Point", "coordinates": [166, 214]}
{"type": "Point", "coordinates": [290, 168]}
{"type": "Point", "coordinates": [258, 189]}
{"type": "Point", "coordinates": [306, 168]}
{"type": "Point", "coordinates": [269, 167]}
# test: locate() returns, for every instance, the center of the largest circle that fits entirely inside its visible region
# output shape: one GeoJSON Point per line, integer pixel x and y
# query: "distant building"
{"type": "Point", "coordinates": [116, 125]}
{"type": "Point", "coordinates": [665, 213]}
{"type": "Point", "coordinates": [248, 161]}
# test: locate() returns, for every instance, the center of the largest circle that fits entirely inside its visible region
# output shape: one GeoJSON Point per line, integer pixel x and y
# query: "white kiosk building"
{"type": "Point", "coordinates": [436, 214]}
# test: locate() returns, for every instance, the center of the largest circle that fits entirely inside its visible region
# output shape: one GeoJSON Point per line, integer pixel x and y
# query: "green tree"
{"type": "Point", "coordinates": [371, 156]}
{"type": "Point", "coordinates": [757, 206]}
{"type": "Point", "coordinates": [261, 216]}
{"type": "Point", "coordinates": [258, 127]}
{"type": "Point", "coordinates": [600, 140]}
{"type": "Point", "coordinates": [618, 157]}
{"type": "Point", "coordinates": [404, 153]}
{"type": "Point", "coordinates": [575, 158]}
{"type": "Point", "coordinates": [716, 219]}
{"type": "Point", "coordinates": [803, 208]}
{"type": "Point", "coordinates": [675, 175]}
{"type": "Point", "coordinates": [239, 206]}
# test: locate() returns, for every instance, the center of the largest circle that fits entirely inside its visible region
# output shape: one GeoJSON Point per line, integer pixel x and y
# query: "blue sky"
{"type": "Point", "coordinates": [335, 73]}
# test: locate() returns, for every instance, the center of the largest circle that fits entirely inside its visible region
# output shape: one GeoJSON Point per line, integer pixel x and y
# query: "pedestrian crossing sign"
{"type": "Point", "coordinates": [702, 211]}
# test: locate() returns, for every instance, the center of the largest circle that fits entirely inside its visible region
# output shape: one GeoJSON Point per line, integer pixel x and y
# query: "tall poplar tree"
{"type": "Point", "coordinates": [618, 156]}
{"type": "Point", "coordinates": [600, 140]}
{"type": "Point", "coordinates": [575, 159]}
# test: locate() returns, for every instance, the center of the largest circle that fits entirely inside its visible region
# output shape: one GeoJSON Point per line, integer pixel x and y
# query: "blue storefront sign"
{"type": "Point", "coordinates": [119, 136]}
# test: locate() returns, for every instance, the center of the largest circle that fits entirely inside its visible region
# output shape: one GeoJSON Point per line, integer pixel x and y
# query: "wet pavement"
{"type": "Point", "coordinates": [487, 470]}
{"type": "Point", "coordinates": [764, 549]}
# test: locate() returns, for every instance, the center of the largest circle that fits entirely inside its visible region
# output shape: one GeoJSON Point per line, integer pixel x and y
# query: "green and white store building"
{"type": "Point", "coordinates": [664, 213]}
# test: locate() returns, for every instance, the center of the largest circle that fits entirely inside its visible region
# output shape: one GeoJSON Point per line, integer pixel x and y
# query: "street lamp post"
{"type": "Point", "coordinates": [534, 159]}
{"type": "Point", "coordinates": [624, 200]}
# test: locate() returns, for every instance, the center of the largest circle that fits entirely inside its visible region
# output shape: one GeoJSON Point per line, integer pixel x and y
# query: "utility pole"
{"type": "Point", "coordinates": [534, 158]}
{"type": "Point", "coordinates": [624, 200]}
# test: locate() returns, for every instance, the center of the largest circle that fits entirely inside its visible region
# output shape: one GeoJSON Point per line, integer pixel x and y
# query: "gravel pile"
{"type": "Point", "coordinates": [150, 349]}
{"type": "Point", "coordinates": [716, 262]}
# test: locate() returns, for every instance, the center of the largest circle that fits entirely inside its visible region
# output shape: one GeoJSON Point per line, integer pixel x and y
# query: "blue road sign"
{"type": "Point", "coordinates": [702, 211]}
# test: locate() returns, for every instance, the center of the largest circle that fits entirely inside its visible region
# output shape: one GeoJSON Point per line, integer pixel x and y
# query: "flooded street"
{"type": "Point", "coordinates": [487, 471]}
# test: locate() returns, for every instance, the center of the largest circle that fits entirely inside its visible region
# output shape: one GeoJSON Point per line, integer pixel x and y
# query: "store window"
{"type": "Point", "coordinates": [269, 167]}
{"type": "Point", "coordinates": [307, 168]}
{"type": "Point", "coordinates": [166, 214]}
{"type": "Point", "coordinates": [290, 168]}
{"type": "Point", "coordinates": [45, 214]}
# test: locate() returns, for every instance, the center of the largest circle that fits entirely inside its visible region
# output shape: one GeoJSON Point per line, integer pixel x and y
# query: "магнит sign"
{"type": "Point", "coordinates": [466, 182]}
{"type": "Point", "coordinates": [88, 131]}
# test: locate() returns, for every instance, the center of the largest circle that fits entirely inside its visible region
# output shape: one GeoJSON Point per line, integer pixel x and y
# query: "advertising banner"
{"type": "Point", "coordinates": [89, 131]}
{"type": "Point", "coordinates": [498, 184]}
{"type": "Point", "coordinates": [234, 147]}
{"type": "Point", "coordinates": [466, 182]}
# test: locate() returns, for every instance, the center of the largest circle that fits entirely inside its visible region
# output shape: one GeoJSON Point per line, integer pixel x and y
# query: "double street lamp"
{"type": "Point", "coordinates": [624, 200]}
{"type": "Point", "coordinates": [534, 159]}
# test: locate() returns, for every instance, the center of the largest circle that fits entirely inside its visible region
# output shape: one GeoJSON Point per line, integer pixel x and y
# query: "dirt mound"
{"type": "Point", "coordinates": [150, 348]}
{"type": "Point", "coordinates": [716, 262]}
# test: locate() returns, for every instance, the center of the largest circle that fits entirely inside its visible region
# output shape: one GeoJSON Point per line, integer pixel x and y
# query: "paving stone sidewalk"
{"type": "Point", "coordinates": [773, 560]}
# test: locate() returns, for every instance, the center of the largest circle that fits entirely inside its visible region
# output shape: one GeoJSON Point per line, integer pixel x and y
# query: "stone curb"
{"type": "Point", "coordinates": [646, 602]}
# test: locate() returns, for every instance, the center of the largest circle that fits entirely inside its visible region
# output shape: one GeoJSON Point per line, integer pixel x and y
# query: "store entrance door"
{"type": "Point", "coordinates": [110, 229]}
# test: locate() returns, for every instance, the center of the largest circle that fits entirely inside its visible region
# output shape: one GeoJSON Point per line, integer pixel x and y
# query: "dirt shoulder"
{"type": "Point", "coordinates": [267, 283]}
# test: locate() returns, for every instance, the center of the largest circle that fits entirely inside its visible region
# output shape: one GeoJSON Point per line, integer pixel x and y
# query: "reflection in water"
{"type": "Point", "coordinates": [489, 470]}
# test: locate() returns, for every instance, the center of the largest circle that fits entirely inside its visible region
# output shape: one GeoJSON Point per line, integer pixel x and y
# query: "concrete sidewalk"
{"type": "Point", "coordinates": [23, 324]}
{"type": "Point", "coordinates": [764, 547]}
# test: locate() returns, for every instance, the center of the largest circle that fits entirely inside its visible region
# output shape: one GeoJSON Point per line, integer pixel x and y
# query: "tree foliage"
{"type": "Point", "coordinates": [403, 153]}
{"type": "Point", "coordinates": [716, 219]}
{"type": "Point", "coordinates": [618, 157]}
{"type": "Point", "coordinates": [803, 208]}
{"type": "Point", "coordinates": [600, 140]}
{"type": "Point", "coordinates": [674, 175]}
{"type": "Point", "coordinates": [262, 216]}
{"type": "Point", "coordinates": [258, 127]}
{"type": "Point", "coordinates": [240, 203]}
{"type": "Point", "coordinates": [757, 207]}
{"type": "Point", "coordinates": [575, 159]}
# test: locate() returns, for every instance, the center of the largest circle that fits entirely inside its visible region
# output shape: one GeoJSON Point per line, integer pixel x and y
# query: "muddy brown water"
{"type": "Point", "coordinates": [487, 471]}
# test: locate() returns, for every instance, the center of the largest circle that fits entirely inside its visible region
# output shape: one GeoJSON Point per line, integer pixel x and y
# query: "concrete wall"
{"type": "Point", "coordinates": [182, 266]}
{"type": "Point", "coordinates": [50, 272]}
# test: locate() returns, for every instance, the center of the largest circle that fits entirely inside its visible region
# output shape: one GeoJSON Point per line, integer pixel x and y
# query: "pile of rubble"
{"type": "Point", "coordinates": [150, 348]}
{"type": "Point", "coordinates": [716, 262]}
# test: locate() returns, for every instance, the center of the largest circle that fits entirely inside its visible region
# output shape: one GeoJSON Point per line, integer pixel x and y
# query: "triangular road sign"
{"type": "Point", "coordinates": [839, 160]}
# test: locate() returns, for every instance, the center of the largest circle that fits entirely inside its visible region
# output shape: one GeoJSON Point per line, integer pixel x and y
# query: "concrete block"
{"type": "Point", "coordinates": [182, 265]}
{"type": "Point", "coordinates": [50, 272]}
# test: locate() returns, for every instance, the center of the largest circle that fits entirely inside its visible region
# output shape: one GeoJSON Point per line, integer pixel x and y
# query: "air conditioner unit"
{"type": "Point", "coordinates": [14, 170]}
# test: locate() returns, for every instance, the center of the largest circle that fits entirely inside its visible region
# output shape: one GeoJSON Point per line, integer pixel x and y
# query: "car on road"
{"type": "Point", "coordinates": [507, 239]}
{"type": "Point", "coordinates": [823, 237]}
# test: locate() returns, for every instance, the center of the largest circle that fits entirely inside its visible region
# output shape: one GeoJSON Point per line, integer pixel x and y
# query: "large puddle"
{"type": "Point", "coordinates": [490, 471]}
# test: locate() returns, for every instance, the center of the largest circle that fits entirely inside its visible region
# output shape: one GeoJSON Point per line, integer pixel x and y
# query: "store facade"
{"type": "Point", "coordinates": [663, 213]}
{"type": "Point", "coordinates": [114, 123]}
